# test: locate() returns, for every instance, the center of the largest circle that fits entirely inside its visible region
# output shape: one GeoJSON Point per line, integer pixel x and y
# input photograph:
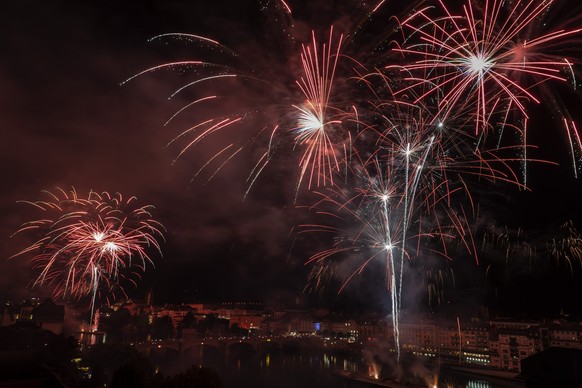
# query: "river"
{"type": "Point", "coordinates": [306, 368]}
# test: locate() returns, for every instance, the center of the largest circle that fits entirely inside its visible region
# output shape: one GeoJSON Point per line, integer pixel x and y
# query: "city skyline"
{"type": "Point", "coordinates": [69, 123]}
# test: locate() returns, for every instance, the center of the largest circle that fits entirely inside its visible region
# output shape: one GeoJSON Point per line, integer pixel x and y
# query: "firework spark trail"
{"type": "Point", "coordinates": [89, 244]}
{"type": "Point", "coordinates": [287, 8]}
{"type": "Point", "coordinates": [396, 301]}
{"type": "Point", "coordinates": [575, 145]}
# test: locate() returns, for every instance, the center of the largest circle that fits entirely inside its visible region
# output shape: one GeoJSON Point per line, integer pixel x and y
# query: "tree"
{"type": "Point", "coordinates": [106, 359]}
{"type": "Point", "coordinates": [198, 377]}
{"type": "Point", "coordinates": [136, 373]}
{"type": "Point", "coordinates": [115, 324]}
{"type": "Point", "coordinates": [163, 328]}
{"type": "Point", "coordinates": [189, 320]}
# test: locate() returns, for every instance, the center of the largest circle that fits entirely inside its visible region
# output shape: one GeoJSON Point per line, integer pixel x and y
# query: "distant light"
{"type": "Point", "coordinates": [388, 247]}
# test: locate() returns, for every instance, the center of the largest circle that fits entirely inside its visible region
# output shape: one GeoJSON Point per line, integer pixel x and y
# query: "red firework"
{"type": "Point", "coordinates": [87, 245]}
{"type": "Point", "coordinates": [490, 57]}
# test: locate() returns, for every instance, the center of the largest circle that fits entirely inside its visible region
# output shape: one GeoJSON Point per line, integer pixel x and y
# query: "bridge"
{"type": "Point", "coordinates": [230, 345]}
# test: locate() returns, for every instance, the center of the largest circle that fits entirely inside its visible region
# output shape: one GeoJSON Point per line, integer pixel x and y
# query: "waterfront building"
{"type": "Point", "coordinates": [246, 320]}
{"type": "Point", "coordinates": [303, 325]}
{"type": "Point", "coordinates": [474, 344]}
{"type": "Point", "coordinates": [339, 326]}
{"type": "Point", "coordinates": [512, 346]}
{"type": "Point", "coordinates": [568, 335]}
{"type": "Point", "coordinates": [448, 342]}
{"type": "Point", "coordinates": [419, 338]}
{"type": "Point", "coordinates": [369, 329]}
{"type": "Point", "coordinates": [269, 325]}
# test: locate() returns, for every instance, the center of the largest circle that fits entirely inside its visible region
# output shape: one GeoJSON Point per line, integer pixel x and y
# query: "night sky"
{"type": "Point", "coordinates": [67, 122]}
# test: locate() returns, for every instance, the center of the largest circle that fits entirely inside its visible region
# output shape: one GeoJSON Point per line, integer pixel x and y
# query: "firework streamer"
{"type": "Point", "coordinates": [87, 245]}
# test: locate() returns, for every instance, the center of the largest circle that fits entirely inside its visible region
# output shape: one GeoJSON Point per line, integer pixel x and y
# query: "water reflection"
{"type": "Point", "coordinates": [241, 366]}
{"type": "Point", "coordinates": [478, 384]}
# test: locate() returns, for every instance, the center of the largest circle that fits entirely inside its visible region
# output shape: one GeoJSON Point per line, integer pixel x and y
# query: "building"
{"type": "Point", "coordinates": [303, 325]}
{"type": "Point", "coordinates": [475, 344]}
{"type": "Point", "coordinates": [512, 346]}
{"type": "Point", "coordinates": [565, 335]}
{"type": "Point", "coordinates": [419, 338]}
{"type": "Point", "coordinates": [246, 320]}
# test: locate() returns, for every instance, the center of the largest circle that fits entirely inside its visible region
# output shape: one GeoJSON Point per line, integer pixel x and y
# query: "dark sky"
{"type": "Point", "coordinates": [67, 122]}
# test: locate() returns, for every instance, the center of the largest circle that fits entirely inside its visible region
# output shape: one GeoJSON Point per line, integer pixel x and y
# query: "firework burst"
{"type": "Point", "coordinates": [313, 125]}
{"type": "Point", "coordinates": [490, 57]}
{"type": "Point", "coordinates": [87, 245]}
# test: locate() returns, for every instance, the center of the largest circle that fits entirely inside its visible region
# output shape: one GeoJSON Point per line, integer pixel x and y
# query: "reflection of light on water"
{"type": "Point", "coordinates": [374, 371]}
{"type": "Point", "coordinates": [332, 362]}
{"type": "Point", "coordinates": [307, 369]}
{"type": "Point", "coordinates": [91, 337]}
{"type": "Point", "coordinates": [478, 384]}
{"type": "Point", "coordinates": [433, 382]}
